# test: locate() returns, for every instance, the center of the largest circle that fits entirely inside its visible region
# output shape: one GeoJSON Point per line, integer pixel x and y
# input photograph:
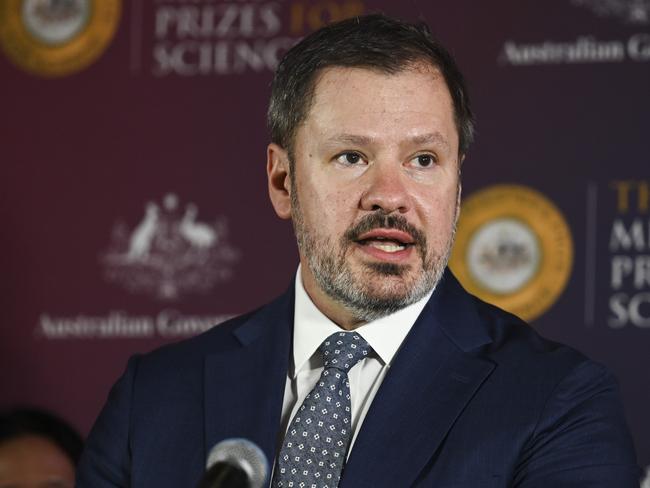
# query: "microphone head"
{"type": "Point", "coordinates": [242, 454]}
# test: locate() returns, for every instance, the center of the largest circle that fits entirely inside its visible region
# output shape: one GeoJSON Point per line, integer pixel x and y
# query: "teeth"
{"type": "Point", "coordinates": [387, 247]}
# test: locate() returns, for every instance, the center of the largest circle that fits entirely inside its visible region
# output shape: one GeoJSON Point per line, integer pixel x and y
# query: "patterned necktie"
{"type": "Point", "coordinates": [314, 449]}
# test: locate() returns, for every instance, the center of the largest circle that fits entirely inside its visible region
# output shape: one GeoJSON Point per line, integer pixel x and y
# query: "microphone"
{"type": "Point", "coordinates": [235, 463]}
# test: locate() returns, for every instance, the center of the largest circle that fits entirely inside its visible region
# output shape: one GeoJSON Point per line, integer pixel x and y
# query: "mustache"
{"type": "Point", "coordinates": [379, 220]}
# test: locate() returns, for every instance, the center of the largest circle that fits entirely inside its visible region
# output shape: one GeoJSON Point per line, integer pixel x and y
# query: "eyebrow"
{"type": "Point", "coordinates": [359, 140]}
{"type": "Point", "coordinates": [353, 139]}
{"type": "Point", "coordinates": [432, 138]}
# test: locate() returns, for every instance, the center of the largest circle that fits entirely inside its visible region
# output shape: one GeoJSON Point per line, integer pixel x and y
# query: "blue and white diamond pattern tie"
{"type": "Point", "coordinates": [315, 447]}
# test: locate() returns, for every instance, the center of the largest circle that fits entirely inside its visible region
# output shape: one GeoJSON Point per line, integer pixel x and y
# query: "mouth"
{"type": "Point", "coordinates": [390, 241]}
{"type": "Point", "coordinates": [386, 239]}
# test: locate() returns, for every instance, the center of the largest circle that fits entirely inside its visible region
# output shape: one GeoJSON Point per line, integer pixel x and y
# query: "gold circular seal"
{"type": "Point", "coordinates": [53, 38]}
{"type": "Point", "coordinates": [513, 249]}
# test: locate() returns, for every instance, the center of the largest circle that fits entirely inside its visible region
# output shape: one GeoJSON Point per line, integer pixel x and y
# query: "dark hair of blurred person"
{"type": "Point", "coordinates": [37, 450]}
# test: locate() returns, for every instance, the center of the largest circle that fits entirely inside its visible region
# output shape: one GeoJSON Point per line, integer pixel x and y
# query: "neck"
{"type": "Point", "coordinates": [333, 310]}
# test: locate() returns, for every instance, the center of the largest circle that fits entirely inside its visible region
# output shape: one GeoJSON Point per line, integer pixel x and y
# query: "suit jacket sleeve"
{"type": "Point", "coordinates": [581, 439]}
{"type": "Point", "coordinates": [106, 461]}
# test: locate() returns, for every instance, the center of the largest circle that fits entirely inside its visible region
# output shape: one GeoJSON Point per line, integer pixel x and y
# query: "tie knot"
{"type": "Point", "coordinates": [342, 350]}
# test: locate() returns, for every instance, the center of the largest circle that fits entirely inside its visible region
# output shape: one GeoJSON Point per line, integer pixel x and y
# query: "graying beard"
{"type": "Point", "coordinates": [341, 288]}
{"type": "Point", "coordinates": [361, 306]}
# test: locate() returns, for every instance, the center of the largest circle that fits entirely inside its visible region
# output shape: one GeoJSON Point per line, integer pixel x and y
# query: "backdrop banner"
{"type": "Point", "coordinates": [133, 186]}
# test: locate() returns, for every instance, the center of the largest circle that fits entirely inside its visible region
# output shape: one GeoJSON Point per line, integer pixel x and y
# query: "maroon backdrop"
{"type": "Point", "coordinates": [133, 193]}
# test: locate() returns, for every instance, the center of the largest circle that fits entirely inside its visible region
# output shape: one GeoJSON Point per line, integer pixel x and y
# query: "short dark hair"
{"type": "Point", "coordinates": [22, 422]}
{"type": "Point", "coordinates": [376, 42]}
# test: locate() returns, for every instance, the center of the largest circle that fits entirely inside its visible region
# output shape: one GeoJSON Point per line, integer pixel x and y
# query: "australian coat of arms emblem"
{"type": "Point", "coordinates": [630, 11]}
{"type": "Point", "coordinates": [170, 252]}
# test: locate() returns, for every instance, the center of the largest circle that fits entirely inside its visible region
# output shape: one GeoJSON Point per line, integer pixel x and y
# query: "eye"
{"type": "Point", "coordinates": [350, 158]}
{"type": "Point", "coordinates": [424, 160]}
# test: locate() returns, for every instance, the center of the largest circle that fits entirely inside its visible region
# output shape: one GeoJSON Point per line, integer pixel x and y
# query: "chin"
{"type": "Point", "coordinates": [389, 269]}
{"type": "Point", "coordinates": [388, 287]}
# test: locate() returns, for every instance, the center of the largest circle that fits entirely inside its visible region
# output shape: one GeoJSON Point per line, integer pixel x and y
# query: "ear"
{"type": "Point", "coordinates": [459, 190]}
{"type": "Point", "coordinates": [279, 180]}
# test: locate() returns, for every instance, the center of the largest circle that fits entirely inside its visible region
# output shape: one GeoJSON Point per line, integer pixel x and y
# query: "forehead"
{"type": "Point", "coordinates": [34, 458]}
{"type": "Point", "coordinates": [367, 101]}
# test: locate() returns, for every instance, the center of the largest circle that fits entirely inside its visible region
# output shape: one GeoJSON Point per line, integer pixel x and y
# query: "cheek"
{"type": "Point", "coordinates": [328, 201]}
{"type": "Point", "coordinates": [438, 215]}
{"type": "Point", "coordinates": [319, 209]}
{"type": "Point", "coordinates": [331, 213]}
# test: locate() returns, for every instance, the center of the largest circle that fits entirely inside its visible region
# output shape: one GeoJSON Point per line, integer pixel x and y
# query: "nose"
{"type": "Point", "coordinates": [386, 190]}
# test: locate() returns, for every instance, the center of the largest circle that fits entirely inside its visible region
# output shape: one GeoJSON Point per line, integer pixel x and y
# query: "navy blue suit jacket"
{"type": "Point", "coordinates": [475, 398]}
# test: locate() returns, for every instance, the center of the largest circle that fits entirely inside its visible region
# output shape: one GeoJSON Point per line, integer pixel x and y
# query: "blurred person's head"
{"type": "Point", "coordinates": [37, 450]}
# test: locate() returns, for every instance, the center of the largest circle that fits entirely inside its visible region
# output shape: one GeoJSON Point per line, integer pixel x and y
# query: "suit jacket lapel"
{"type": "Point", "coordinates": [430, 382]}
{"type": "Point", "coordinates": [244, 384]}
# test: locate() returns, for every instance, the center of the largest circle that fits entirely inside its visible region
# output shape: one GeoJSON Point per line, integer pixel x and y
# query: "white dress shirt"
{"type": "Point", "coordinates": [312, 327]}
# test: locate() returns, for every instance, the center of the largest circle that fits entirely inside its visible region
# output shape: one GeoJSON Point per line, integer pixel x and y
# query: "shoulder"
{"type": "Point", "coordinates": [561, 409]}
{"type": "Point", "coordinates": [575, 425]}
{"type": "Point", "coordinates": [531, 369]}
{"type": "Point", "coordinates": [218, 338]}
{"type": "Point", "coordinates": [513, 343]}
{"type": "Point", "coordinates": [180, 361]}
{"type": "Point", "coordinates": [484, 330]}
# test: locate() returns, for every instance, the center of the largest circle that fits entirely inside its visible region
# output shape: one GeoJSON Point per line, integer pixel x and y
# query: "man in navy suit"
{"type": "Point", "coordinates": [370, 122]}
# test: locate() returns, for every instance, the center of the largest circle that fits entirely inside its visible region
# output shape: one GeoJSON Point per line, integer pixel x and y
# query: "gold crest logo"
{"type": "Point", "coordinates": [54, 38]}
{"type": "Point", "coordinates": [513, 249]}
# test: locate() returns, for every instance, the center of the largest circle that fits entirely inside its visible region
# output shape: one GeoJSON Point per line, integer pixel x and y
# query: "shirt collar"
{"type": "Point", "coordinates": [312, 327]}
